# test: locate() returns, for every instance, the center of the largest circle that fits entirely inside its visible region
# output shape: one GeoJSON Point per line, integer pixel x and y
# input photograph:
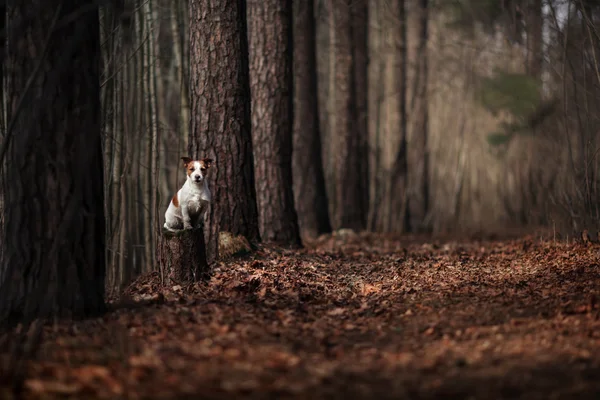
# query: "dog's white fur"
{"type": "Point", "coordinates": [188, 207]}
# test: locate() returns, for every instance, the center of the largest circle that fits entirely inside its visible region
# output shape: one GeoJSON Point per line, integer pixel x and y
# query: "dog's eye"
{"type": "Point", "coordinates": [203, 169]}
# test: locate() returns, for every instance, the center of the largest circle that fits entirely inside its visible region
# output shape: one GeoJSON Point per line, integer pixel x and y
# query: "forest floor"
{"type": "Point", "coordinates": [359, 317]}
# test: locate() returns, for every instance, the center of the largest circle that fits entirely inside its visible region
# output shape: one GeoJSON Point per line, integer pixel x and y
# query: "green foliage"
{"type": "Point", "coordinates": [498, 138]}
{"type": "Point", "coordinates": [517, 94]}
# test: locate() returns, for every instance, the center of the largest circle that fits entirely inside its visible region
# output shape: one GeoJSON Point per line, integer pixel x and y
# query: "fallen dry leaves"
{"type": "Point", "coordinates": [359, 317]}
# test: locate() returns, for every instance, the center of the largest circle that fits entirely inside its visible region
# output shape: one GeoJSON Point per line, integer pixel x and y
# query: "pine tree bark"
{"type": "Point", "coordinates": [2, 116]}
{"type": "Point", "coordinates": [271, 87]}
{"type": "Point", "coordinates": [308, 173]}
{"type": "Point", "coordinates": [220, 122]}
{"type": "Point", "coordinates": [53, 240]}
{"type": "Point", "coordinates": [2, 59]}
{"type": "Point", "coordinates": [181, 256]}
{"type": "Point", "coordinates": [348, 126]}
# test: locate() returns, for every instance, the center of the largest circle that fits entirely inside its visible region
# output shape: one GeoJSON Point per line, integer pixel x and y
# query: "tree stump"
{"type": "Point", "coordinates": [182, 255]}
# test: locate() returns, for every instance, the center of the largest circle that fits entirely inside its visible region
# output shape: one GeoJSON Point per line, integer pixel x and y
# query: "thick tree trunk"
{"type": "Point", "coordinates": [418, 204]}
{"type": "Point", "coordinates": [54, 234]}
{"type": "Point", "coordinates": [309, 176]}
{"type": "Point", "coordinates": [2, 77]}
{"type": "Point", "coordinates": [349, 125]}
{"type": "Point", "coordinates": [182, 256]}
{"type": "Point", "coordinates": [220, 123]}
{"type": "Point", "coordinates": [271, 87]}
{"type": "Point", "coordinates": [2, 116]}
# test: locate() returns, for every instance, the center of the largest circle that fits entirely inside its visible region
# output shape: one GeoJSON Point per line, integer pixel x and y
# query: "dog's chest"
{"type": "Point", "coordinates": [195, 203]}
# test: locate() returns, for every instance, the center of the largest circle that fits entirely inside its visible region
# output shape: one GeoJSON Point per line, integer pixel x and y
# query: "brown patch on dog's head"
{"type": "Point", "coordinates": [175, 200]}
{"type": "Point", "coordinates": [205, 164]}
{"type": "Point", "coordinates": [188, 164]}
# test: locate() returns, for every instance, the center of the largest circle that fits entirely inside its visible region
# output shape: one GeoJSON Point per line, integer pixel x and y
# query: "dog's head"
{"type": "Point", "coordinates": [197, 170]}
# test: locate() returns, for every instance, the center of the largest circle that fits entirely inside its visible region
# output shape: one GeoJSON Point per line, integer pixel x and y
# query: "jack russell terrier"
{"type": "Point", "coordinates": [186, 209]}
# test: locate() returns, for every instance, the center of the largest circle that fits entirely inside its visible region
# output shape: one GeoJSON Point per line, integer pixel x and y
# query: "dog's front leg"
{"type": "Point", "coordinates": [201, 214]}
{"type": "Point", "coordinates": [185, 214]}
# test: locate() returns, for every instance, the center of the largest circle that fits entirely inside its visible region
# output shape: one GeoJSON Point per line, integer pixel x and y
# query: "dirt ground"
{"type": "Point", "coordinates": [359, 317]}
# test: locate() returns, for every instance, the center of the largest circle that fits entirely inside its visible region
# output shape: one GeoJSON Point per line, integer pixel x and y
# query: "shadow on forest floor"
{"type": "Point", "coordinates": [359, 317]}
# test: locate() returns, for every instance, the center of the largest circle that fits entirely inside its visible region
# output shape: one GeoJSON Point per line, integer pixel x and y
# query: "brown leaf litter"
{"type": "Point", "coordinates": [363, 316]}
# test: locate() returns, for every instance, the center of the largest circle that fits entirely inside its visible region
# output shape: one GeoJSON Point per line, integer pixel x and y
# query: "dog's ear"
{"type": "Point", "coordinates": [186, 160]}
{"type": "Point", "coordinates": [207, 162]}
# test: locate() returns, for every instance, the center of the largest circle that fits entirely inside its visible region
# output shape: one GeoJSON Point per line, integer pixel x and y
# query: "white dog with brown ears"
{"type": "Point", "coordinates": [186, 209]}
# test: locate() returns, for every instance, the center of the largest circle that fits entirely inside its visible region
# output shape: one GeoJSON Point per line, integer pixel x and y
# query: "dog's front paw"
{"type": "Point", "coordinates": [187, 226]}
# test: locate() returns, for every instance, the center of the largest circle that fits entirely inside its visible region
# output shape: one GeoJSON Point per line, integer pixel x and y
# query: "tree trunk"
{"type": "Point", "coordinates": [2, 116]}
{"type": "Point", "coordinates": [115, 174]}
{"type": "Point", "coordinates": [154, 116]}
{"type": "Point", "coordinates": [535, 24]}
{"type": "Point", "coordinates": [271, 87]}
{"type": "Point", "coordinates": [182, 256]}
{"type": "Point", "coordinates": [220, 122]}
{"type": "Point", "coordinates": [136, 189]}
{"type": "Point", "coordinates": [419, 160]}
{"type": "Point", "coordinates": [183, 52]}
{"type": "Point", "coordinates": [360, 19]}
{"type": "Point", "coordinates": [393, 217]}
{"type": "Point", "coordinates": [325, 59]}
{"type": "Point", "coordinates": [149, 128]}
{"type": "Point", "coordinates": [54, 234]}
{"type": "Point", "coordinates": [349, 125]}
{"type": "Point", "coordinates": [376, 100]}
{"type": "Point", "coordinates": [308, 174]}
{"type": "Point", "coordinates": [2, 77]}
